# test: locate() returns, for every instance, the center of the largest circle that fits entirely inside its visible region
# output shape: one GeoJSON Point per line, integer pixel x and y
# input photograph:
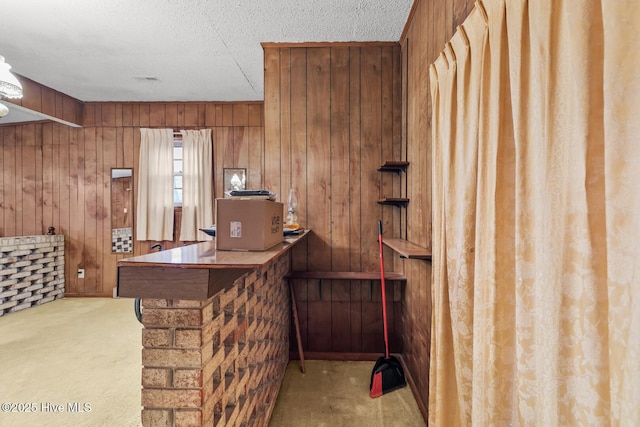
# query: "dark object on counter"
{"type": "Point", "coordinates": [52, 231]}
{"type": "Point", "coordinates": [245, 193]}
{"type": "Point", "coordinates": [387, 374]}
{"type": "Point", "coordinates": [210, 230]}
{"type": "Point", "coordinates": [290, 232]}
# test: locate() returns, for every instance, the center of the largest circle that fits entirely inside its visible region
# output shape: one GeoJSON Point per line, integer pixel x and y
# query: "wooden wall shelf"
{"type": "Point", "coordinates": [394, 166]}
{"type": "Point", "coordinates": [407, 249]}
{"type": "Point", "coordinates": [396, 201]}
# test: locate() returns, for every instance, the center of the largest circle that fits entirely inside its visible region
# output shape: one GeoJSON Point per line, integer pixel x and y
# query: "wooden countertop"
{"type": "Point", "coordinates": [194, 272]}
{"type": "Point", "coordinates": [204, 255]}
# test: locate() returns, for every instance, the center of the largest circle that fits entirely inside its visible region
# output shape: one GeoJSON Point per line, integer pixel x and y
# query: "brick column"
{"type": "Point", "coordinates": [218, 362]}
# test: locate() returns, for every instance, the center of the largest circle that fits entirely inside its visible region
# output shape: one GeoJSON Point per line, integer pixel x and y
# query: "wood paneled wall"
{"type": "Point", "coordinates": [45, 100]}
{"type": "Point", "coordinates": [332, 117]}
{"type": "Point", "coordinates": [431, 24]}
{"type": "Point", "coordinates": [54, 175]}
{"type": "Point", "coordinates": [333, 114]}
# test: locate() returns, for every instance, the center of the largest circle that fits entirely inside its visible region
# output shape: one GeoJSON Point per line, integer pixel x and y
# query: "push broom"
{"type": "Point", "coordinates": [387, 374]}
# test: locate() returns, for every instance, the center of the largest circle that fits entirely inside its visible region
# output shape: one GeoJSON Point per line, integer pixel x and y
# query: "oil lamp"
{"type": "Point", "coordinates": [292, 204]}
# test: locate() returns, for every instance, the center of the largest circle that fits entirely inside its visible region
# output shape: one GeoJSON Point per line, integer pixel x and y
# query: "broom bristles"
{"type": "Point", "coordinates": [376, 386]}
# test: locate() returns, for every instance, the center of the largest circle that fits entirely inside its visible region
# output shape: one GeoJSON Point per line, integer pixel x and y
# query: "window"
{"type": "Point", "coordinates": [177, 172]}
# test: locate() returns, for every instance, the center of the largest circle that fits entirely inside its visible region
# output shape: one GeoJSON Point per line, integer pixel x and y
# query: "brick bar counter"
{"type": "Point", "coordinates": [216, 332]}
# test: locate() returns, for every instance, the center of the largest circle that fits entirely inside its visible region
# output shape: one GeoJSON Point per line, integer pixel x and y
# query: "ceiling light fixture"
{"type": "Point", "coordinates": [10, 87]}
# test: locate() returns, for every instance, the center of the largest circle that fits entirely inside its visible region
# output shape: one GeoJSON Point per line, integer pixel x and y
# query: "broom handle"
{"type": "Point", "coordinates": [384, 294]}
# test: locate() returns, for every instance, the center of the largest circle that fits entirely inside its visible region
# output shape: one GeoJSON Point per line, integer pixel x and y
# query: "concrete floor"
{"type": "Point", "coordinates": [84, 354]}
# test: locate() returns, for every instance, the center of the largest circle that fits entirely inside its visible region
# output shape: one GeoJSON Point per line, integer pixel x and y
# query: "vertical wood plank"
{"type": "Point", "coordinates": [48, 101]}
{"type": "Point", "coordinates": [32, 95]}
{"type": "Point", "coordinates": [191, 116]}
{"type": "Point", "coordinates": [101, 199]}
{"type": "Point", "coordinates": [218, 138]}
{"type": "Point", "coordinates": [157, 115]}
{"type": "Point", "coordinates": [210, 115]}
{"type": "Point", "coordinates": [272, 120]}
{"type": "Point", "coordinates": [181, 117]}
{"type": "Point", "coordinates": [355, 197]}
{"type": "Point", "coordinates": [76, 217]}
{"type": "Point", "coordinates": [135, 115]}
{"type": "Point", "coordinates": [171, 111]}
{"type": "Point", "coordinates": [49, 165]}
{"type": "Point", "coordinates": [9, 187]}
{"type": "Point", "coordinates": [38, 181]}
{"type": "Point", "coordinates": [286, 182]}
{"type": "Point", "coordinates": [372, 336]}
{"type": "Point", "coordinates": [56, 196]}
{"type": "Point", "coordinates": [319, 316]}
{"type": "Point", "coordinates": [111, 141]}
{"type": "Point", "coordinates": [64, 179]}
{"type": "Point", "coordinates": [240, 114]}
{"type": "Point", "coordinates": [240, 147]}
{"type": "Point", "coordinates": [88, 183]}
{"type": "Point", "coordinates": [127, 114]}
{"type": "Point", "coordinates": [255, 164]}
{"type": "Point", "coordinates": [318, 154]}
{"type": "Point", "coordinates": [340, 187]}
{"type": "Point", "coordinates": [19, 186]}
{"type": "Point", "coordinates": [371, 111]}
{"type": "Point", "coordinates": [108, 116]}
{"type": "Point", "coordinates": [296, 95]}
{"type": "Point", "coordinates": [219, 118]}
{"type": "Point", "coordinates": [390, 148]}
{"type": "Point", "coordinates": [227, 114]}
{"type": "Point", "coordinates": [134, 152]}
{"type": "Point", "coordinates": [228, 160]}
{"type": "Point", "coordinates": [399, 149]}
{"type": "Point", "coordinates": [319, 173]}
{"type": "Point", "coordinates": [144, 115]}
{"type": "Point", "coordinates": [340, 159]}
{"type": "Point", "coordinates": [119, 114]}
{"type": "Point", "coordinates": [201, 115]}
{"type": "Point", "coordinates": [256, 114]}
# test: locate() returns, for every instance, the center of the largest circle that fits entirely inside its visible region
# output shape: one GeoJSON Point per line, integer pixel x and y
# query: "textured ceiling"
{"type": "Point", "coordinates": [199, 50]}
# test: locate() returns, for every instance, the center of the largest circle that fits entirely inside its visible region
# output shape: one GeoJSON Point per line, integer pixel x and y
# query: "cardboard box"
{"type": "Point", "coordinates": [248, 224]}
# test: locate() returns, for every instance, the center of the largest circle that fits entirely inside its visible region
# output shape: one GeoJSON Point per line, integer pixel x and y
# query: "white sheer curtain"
{"type": "Point", "coordinates": [154, 213]}
{"type": "Point", "coordinates": [197, 181]}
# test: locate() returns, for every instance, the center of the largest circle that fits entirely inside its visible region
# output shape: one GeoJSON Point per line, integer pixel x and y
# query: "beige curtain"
{"type": "Point", "coordinates": [536, 240]}
{"type": "Point", "coordinates": [154, 213]}
{"type": "Point", "coordinates": [197, 181]}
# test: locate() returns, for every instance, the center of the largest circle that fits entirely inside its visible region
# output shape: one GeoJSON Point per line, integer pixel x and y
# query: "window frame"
{"type": "Point", "coordinates": [177, 143]}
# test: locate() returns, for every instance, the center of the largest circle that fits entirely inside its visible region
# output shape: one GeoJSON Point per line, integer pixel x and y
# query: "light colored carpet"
{"type": "Point", "coordinates": [88, 351]}
{"type": "Point", "coordinates": [336, 394]}
{"type": "Point", "coordinates": [73, 350]}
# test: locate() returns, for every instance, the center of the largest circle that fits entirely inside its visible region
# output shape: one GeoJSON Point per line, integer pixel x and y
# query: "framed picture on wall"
{"type": "Point", "coordinates": [234, 179]}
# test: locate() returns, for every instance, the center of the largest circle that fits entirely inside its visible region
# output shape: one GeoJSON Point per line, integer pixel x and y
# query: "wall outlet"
{"type": "Point", "coordinates": [81, 273]}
